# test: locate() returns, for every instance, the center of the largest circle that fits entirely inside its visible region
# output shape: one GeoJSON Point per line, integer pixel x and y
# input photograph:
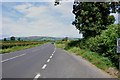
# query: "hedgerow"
{"type": "Point", "coordinates": [106, 43]}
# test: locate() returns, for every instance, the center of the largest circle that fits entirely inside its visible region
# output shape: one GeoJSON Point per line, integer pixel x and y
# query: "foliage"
{"type": "Point", "coordinates": [19, 39]}
{"type": "Point", "coordinates": [10, 46]}
{"type": "Point", "coordinates": [96, 59]}
{"type": "Point", "coordinates": [65, 39]}
{"type": "Point", "coordinates": [105, 44]}
{"type": "Point", "coordinates": [100, 61]}
{"type": "Point", "coordinates": [12, 38]}
{"type": "Point", "coordinates": [61, 44]}
{"type": "Point", "coordinates": [4, 39]}
{"type": "Point", "coordinates": [91, 18]}
{"type": "Point", "coordinates": [72, 44]}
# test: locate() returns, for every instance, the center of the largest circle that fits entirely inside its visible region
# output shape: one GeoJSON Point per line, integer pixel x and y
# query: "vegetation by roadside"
{"type": "Point", "coordinates": [12, 46]}
{"type": "Point", "coordinates": [101, 62]}
{"type": "Point", "coordinates": [99, 33]}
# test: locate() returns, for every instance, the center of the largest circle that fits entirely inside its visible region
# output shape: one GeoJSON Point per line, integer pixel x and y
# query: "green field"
{"type": "Point", "coordinates": [11, 46]}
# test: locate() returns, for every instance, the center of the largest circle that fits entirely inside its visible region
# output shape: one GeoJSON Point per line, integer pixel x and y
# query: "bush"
{"type": "Point", "coordinates": [105, 44]}
{"type": "Point", "coordinates": [72, 44]}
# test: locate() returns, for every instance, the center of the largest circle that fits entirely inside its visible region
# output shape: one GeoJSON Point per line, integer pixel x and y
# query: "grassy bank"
{"type": "Point", "coordinates": [99, 61]}
{"type": "Point", "coordinates": [8, 47]}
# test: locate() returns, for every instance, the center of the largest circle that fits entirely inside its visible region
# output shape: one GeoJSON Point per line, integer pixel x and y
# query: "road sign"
{"type": "Point", "coordinates": [118, 45]}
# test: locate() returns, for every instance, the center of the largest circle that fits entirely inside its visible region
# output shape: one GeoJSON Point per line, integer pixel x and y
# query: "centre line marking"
{"type": "Point", "coordinates": [54, 52]}
{"type": "Point", "coordinates": [44, 66]}
{"type": "Point", "coordinates": [37, 76]}
{"type": "Point", "coordinates": [12, 58]}
{"type": "Point", "coordinates": [54, 49]}
{"type": "Point", "coordinates": [50, 56]}
{"type": "Point", "coordinates": [48, 60]}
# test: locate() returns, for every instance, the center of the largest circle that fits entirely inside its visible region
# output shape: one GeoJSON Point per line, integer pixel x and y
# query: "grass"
{"type": "Point", "coordinates": [17, 48]}
{"type": "Point", "coordinates": [61, 44]}
{"type": "Point", "coordinates": [101, 62]}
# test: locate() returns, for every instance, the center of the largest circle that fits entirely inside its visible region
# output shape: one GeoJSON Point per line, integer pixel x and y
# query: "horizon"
{"type": "Point", "coordinates": [35, 36]}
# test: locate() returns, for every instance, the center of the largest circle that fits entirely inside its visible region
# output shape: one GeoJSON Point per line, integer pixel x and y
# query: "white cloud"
{"type": "Point", "coordinates": [23, 6]}
{"type": "Point", "coordinates": [38, 28]}
{"type": "Point", "coordinates": [41, 21]}
{"type": "Point", "coordinates": [35, 11]}
{"type": "Point", "coordinates": [31, 11]}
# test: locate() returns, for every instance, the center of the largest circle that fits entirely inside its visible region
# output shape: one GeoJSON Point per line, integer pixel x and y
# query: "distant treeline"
{"type": "Point", "coordinates": [12, 39]}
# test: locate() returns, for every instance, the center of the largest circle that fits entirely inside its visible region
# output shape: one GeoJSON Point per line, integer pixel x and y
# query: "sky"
{"type": "Point", "coordinates": [22, 19]}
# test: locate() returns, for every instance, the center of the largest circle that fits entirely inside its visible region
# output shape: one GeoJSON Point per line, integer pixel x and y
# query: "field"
{"type": "Point", "coordinates": [11, 46]}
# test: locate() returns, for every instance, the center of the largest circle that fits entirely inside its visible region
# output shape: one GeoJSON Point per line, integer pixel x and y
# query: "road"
{"type": "Point", "coordinates": [47, 61]}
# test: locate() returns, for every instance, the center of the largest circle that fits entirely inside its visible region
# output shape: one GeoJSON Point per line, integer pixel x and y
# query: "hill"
{"type": "Point", "coordinates": [41, 38]}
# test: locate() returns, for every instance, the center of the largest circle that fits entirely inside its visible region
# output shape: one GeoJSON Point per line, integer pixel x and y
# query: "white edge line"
{"type": "Point", "coordinates": [48, 60]}
{"type": "Point", "coordinates": [44, 66]}
{"type": "Point", "coordinates": [37, 76]}
{"type": "Point", "coordinates": [12, 58]}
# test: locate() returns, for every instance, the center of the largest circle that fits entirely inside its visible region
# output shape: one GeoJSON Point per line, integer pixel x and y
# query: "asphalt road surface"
{"type": "Point", "coordinates": [47, 61]}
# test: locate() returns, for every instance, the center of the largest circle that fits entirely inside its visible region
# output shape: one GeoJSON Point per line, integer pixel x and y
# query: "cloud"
{"type": "Point", "coordinates": [30, 10]}
{"type": "Point", "coordinates": [23, 6]}
{"type": "Point", "coordinates": [41, 20]}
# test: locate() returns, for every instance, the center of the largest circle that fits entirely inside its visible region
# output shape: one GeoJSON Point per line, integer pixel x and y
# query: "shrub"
{"type": "Point", "coordinates": [105, 44]}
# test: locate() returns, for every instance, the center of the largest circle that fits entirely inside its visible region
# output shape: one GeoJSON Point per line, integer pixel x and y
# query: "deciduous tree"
{"type": "Point", "coordinates": [92, 17]}
{"type": "Point", "coordinates": [12, 38]}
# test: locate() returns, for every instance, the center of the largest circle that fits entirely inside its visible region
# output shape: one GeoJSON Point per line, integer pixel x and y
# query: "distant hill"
{"type": "Point", "coordinates": [41, 38]}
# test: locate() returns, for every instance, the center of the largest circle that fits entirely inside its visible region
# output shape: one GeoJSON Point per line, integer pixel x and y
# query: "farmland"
{"type": "Point", "coordinates": [11, 46]}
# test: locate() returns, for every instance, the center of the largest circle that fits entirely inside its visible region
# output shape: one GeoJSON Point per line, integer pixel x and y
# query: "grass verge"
{"type": "Point", "coordinates": [99, 61]}
{"type": "Point", "coordinates": [17, 48]}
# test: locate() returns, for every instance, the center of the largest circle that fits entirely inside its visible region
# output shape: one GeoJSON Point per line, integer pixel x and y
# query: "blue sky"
{"type": "Point", "coordinates": [37, 19]}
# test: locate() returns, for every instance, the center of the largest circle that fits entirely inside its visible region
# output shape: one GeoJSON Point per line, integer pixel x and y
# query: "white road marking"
{"type": "Point", "coordinates": [50, 56]}
{"type": "Point", "coordinates": [37, 76]}
{"type": "Point", "coordinates": [12, 58]}
{"type": "Point", "coordinates": [48, 60]}
{"type": "Point", "coordinates": [54, 51]}
{"type": "Point", "coordinates": [44, 66]}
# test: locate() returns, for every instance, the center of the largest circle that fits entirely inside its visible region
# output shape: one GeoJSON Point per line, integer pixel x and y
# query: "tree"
{"type": "Point", "coordinates": [4, 39]}
{"type": "Point", "coordinates": [65, 39]}
{"type": "Point", "coordinates": [105, 43]}
{"type": "Point", "coordinates": [12, 38]}
{"type": "Point", "coordinates": [91, 18]}
{"type": "Point", "coordinates": [19, 39]}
